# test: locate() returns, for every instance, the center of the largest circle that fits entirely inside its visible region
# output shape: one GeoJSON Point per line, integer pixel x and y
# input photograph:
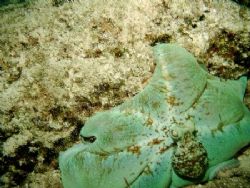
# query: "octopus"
{"type": "Point", "coordinates": [181, 129]}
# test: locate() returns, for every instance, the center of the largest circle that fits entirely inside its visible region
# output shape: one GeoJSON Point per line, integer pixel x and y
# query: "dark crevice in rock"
{"type": "Point", "coordinates": [154, 39]}
{"type": "Point", "coordinates": [20, 165]}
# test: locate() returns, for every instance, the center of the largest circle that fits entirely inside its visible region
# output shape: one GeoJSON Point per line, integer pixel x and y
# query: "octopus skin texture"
{"type": "Point", "coordinates": [181, 129]}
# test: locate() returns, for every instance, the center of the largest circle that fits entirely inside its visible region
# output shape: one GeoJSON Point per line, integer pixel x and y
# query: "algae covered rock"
{"type": "Point", "coordinates": [62, 60]}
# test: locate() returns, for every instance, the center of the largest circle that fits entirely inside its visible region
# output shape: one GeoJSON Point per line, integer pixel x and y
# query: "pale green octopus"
{"type": "Point", "coordinates": [181, 129]}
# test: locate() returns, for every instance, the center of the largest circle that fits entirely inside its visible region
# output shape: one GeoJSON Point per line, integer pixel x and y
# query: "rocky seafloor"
{"type": "Point", "coordinates": [61, 61]}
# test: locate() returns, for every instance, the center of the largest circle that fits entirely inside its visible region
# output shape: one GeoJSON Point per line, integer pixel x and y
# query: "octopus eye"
{"type": "Point", "coordinates": [90, 139]}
